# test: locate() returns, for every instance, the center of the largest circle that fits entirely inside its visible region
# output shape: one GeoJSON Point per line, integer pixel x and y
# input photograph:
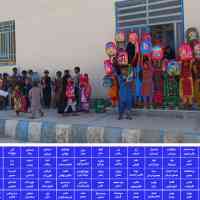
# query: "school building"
{"type": "Point", "coordinates": [60, 34]}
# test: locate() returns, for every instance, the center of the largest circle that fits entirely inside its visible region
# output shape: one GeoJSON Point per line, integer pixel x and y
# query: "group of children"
{"type": "Point", "coordinates": [144, 75]}
{"type": "Point", "coordinates": [28, 93]}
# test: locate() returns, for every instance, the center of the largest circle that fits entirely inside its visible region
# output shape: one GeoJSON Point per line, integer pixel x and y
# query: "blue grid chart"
{"type": "Point", "coordinates": [99, 173]}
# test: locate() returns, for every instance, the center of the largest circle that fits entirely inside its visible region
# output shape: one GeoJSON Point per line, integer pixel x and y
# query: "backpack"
{"type": "Point", "coordinates": [146, 47]}
{"type": "Point", "coordinates": [157, 53]}
{"type": "Point", "coordinates": [107, 81]}
{"type": "Point", "coordinates": [197, 50]}
{"type": "Point", "coordinates": [122, 58]}
{"type": "Point", "coordinates": [146, 36]}
{"type": "Point", "coordinates": [108, 67]}
{"type": "Point", "coordinates": [111, 49]}
{"type": "Point", "coordinates": [173, 68]}
{"type": "Point", "coordinates": [133, 38]}
{"type": "Point", "coordinates": [120, 37]}
{"type": "Point", "coordinates": [185, 52]}
{"type": "Point", "coordinates": [192, 35]}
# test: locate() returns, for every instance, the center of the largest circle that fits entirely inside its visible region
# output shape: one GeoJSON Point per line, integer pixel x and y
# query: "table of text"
{"type": "Point", "coordinates": [99, 173]}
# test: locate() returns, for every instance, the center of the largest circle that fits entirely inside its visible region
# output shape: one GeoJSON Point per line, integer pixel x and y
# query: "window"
{"type": "Point", "coordinates": [141, 15]}
{"type": "Point", "coordinates": [7, 43]}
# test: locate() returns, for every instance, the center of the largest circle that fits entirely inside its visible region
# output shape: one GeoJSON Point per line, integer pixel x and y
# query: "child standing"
{"type": "Point", "coordinates": [17, 99]}
{"type": "Point", "coordinates": [71, 98]}
{"type": "Point", "coordinates": [5, 87]}
{"type": "Point", "coordinates": [46, 84]}
{"type": "Point", "coordinates": [58, 88]}
{"type": "Point", "coordinates": [85, 92]}
{"type": "Point", "coordinates": [77, 72]}
{"type": "Point", "coordinates": [125, 93]}
{"type": "Point", "coordinates": [35, 99]}
{"type": "Point", "coordinates": [25, 92]}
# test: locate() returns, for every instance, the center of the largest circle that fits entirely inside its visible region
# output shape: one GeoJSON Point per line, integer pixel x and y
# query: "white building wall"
{"type": "Point", "coordinates": [59, 34]}
{"type": "Point", "coordinates": [192, 13]}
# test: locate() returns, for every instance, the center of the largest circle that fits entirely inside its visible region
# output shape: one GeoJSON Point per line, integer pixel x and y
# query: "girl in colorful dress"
{"type": "Point", "coordinates": [86, 91]}
{"type": "Point", "coordinates": [17, 100]}
{"type": "Point", "coordinates": [71, 97]}
{"type": "Point", "coordinates": [25, 92]}
{"type": "Point", "coordinates": [58, 88]}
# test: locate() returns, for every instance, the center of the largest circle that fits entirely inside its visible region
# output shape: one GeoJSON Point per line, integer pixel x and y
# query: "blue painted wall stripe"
{"type": "Point", "coordinates": [22, 131]}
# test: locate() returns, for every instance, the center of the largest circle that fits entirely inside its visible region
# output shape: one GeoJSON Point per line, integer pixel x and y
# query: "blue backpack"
{"type": "Point", "coordinates": [146, 48]}
{"type": "Point", "coordinates": [107, 81]}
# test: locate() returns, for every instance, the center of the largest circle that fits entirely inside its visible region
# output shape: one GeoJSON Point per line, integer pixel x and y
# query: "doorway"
{"type": "Point", "coordinates": [164, 33]}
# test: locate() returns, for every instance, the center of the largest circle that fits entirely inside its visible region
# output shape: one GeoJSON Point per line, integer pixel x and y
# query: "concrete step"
{"type": "Point", "coordinates": [8, 140]}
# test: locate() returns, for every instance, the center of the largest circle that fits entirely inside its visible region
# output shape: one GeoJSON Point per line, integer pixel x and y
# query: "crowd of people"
{"type": "Point", "coordinates": [27, 92]}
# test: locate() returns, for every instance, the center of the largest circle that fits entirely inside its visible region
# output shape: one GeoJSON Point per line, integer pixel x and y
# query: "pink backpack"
{"type": "Point", "coordinates": [111, 49]}
{"type": "Point", "coordinates": [122, 58]}
{"type": "Point", "coordinates": [133, 38]}
{"type": "Point", "coordinates": [197, 50]}
{"type": "Point", "coordinates": [120, 37]}
{"type": "Point", "coordinates": [157, 53]}
{"type": "Point", "coordinates": [185, 52]}
{"type": "Point", "coordinates": [108, 67]}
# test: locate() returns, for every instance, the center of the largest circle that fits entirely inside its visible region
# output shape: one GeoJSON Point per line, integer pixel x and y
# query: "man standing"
{"type": "Point", "coordinates": [77, 87]}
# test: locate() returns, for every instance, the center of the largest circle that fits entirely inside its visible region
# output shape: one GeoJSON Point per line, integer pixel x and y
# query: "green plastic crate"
{"type": "Point", "coordinates": [99, 105]}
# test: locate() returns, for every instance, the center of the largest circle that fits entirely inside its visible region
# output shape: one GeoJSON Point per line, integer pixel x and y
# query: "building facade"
{"type": "Point", "coordinates": [57, 35]}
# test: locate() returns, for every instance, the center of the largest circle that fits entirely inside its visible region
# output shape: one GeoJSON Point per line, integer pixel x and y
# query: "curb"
{"type": "Point", "coordinates": [51, 132]}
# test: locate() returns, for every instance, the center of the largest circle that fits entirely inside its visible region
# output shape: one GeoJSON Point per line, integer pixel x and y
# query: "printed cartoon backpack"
{"type": "Point", "coordinates": [120, 37]}
{"type": "Point", "coordinates": [133, 38]}
{"type": "Point", "coordinates": [111, 49]}
{"type": "Point", "coordinates": [122, 58]}
{"type": "Point", "coordinates": [107, 81]}
{"type": "Point", "coordinates": [185, 52]}
{"type": "Point", "coordinates": [173, 68]}
{"type": "Point", "coordinates": [157, 53]}
{"type": "Point", "coordinates": [146, 47]}
{"type": "Point", "coordinates": [197, 50]}
{"type": "Point", "coordinates": [108, 67]}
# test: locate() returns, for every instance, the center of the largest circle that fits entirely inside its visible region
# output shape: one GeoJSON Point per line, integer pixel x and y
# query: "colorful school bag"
{"type": "Point", "coordinates": [157, 53]}
{"type": "Point", "coordinates": [192, 35]}
{"type": "Point", "coordinates": [197, 50]}
{"type": "Point", "coordinates": [173, 68]}
{"type": "Point", "coordinates": [146, 36]}
{"type": "Point", "coordinates": [108, 67]}
{"type": "Point", "coordinates": [107, 81]}
{"type": "Point", "coordinates": [111, 49]}
{"type": "Point", "coordinates": [134, 39]}
{"type": "Point", "coordinates": [185, 52]}
{"type": "Point", "coordinates": [120, 37]}
{"type": "Point", "coordinates": [122, 58]}
{"type": "Point", "coordinates": [146, 47]}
